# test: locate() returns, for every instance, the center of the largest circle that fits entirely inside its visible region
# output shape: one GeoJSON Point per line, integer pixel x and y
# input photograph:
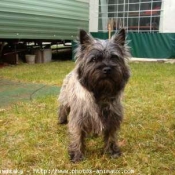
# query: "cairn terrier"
{"type": "Point", "coordinates": [91, 93]}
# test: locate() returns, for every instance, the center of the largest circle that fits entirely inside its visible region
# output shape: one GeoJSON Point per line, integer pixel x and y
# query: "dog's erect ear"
{"type": "Point", "coordinates": [119, 38]}
{"type": "Point", "coordinates": [85, 38]}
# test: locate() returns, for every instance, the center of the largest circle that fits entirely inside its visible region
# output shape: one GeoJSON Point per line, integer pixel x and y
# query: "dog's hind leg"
{"type": "Point", "coordinates": [63, 113]}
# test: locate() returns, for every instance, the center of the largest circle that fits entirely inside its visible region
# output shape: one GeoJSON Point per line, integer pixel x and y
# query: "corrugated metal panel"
{"type": "Point", "coordinates": [46, 19]}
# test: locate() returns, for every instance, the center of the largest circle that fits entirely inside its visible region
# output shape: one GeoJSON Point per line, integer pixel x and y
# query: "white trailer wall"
{"type": "Point", "coordinates": [167, 20]}
{"type": "Point", "coordinates": [93, 15]}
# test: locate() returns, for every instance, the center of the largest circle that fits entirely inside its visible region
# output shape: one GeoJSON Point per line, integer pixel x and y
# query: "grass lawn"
{"type": "Point", "coordinates": [32, 142]}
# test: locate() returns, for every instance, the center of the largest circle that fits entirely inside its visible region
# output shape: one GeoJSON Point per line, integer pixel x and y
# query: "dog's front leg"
{"type": "Point", "coordinates": [76, 147]}
{"type": "Point", "coordinates": [111, 146]}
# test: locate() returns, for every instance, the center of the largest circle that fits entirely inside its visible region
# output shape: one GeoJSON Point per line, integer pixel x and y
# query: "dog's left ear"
{"type": "Point", "coordinates": [119, 38]}
{"type": "Point", "coordinates": [85, 38]}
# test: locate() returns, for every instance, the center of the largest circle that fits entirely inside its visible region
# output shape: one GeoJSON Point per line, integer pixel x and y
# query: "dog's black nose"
{"type": "Point", "coordinates": [106, 70]}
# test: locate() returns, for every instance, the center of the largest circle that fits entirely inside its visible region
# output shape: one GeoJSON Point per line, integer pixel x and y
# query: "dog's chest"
{"type": "Point", "coordinates": [99, 120]}
{"type": "Point", "coordinates": [94, 117]}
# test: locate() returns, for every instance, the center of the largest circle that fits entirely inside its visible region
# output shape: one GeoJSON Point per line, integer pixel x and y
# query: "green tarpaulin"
{"type": "Point", "coordinates": [148, 45]}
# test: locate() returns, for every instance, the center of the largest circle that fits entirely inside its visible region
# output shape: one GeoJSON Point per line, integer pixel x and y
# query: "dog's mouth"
{"type": "Point", "coordinates": [107, 78]}
{"type": "Point", "coordinates": [104, 90]}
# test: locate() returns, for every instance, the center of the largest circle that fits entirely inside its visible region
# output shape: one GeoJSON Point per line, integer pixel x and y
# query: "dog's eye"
{"type": "Point", "coordinates": [94, 59]}
{"type": "Point", "coordinates": [114, 57]}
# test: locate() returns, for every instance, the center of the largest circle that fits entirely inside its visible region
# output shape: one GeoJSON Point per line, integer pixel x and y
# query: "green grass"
{"type": "Point", "coordinates": [52, 73]}
{"type": "Point", "coordinates": [30, 138]}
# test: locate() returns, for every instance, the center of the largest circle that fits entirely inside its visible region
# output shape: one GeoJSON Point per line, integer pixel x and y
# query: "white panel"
{"type": "Point", "coordinates": [167, 20]}
{"type": "Point", "coordinates": [93, 15]}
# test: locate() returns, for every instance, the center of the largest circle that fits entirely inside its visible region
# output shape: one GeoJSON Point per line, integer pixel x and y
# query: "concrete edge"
{"type": "Point", "coordinates": [158, 60]}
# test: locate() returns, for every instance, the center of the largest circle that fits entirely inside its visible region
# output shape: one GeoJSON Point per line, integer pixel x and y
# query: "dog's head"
{"type": "Point", "coordinates": [101, 64]}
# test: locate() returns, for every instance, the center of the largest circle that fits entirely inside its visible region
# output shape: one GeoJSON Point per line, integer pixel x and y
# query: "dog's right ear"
{"type": "Point", "coordinates": [85, 38]}
{"type": "Point", "coordinates": [119, 38]}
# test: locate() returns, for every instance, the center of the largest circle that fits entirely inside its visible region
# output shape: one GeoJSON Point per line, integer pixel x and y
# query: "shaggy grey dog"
{"type": "Point", "coordinates": [91, 93]}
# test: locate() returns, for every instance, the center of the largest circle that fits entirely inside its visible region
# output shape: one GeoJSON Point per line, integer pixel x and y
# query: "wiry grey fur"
{"type": "Point", "coordinates": [91, 93]}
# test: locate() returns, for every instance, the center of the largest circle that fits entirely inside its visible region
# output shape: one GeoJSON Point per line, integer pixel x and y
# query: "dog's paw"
{"type": "Point", "coordinates": [76, 156]}
{"type": "Point", "coordinates": [113, 151]}
{"type": "Point", "coordinates": [116, 154]}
